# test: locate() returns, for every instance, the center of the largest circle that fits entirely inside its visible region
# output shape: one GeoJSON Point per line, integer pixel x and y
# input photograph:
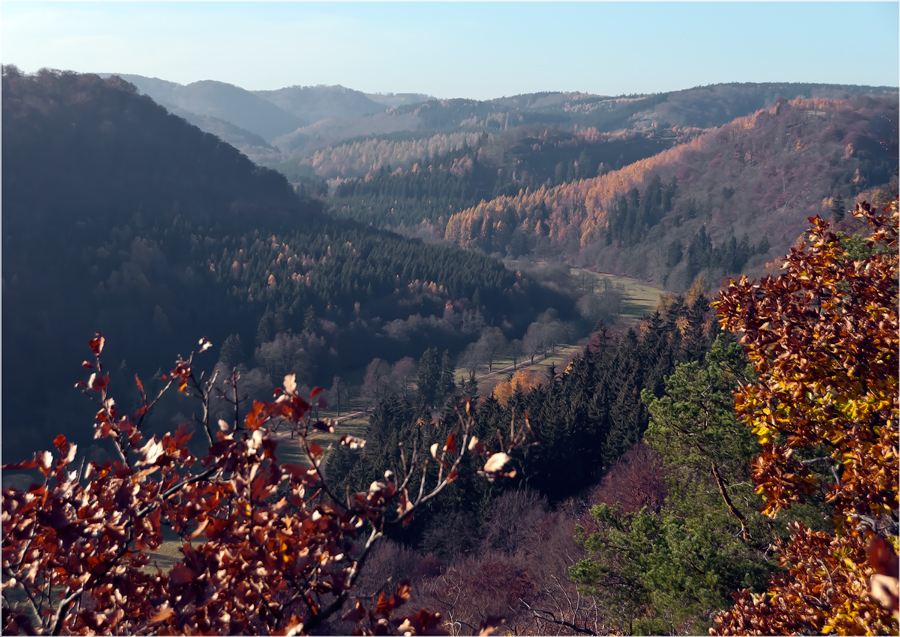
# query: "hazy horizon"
{"type": "Point", "coordinates": [472, 50]}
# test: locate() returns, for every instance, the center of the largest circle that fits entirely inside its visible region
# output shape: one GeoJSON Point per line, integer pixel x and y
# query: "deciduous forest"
{"type": "Point", "coordinates": [555, 363]}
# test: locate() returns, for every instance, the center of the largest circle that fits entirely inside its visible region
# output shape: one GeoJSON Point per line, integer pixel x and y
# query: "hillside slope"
{"type": "Point", "coordinates": [762, 175]}
{"type": "Point", "coordinates": [120, 216]}
{"type": "Point", "coordinates": [222, 101]}
{"type": "Point", "coordinates": [475, 167]}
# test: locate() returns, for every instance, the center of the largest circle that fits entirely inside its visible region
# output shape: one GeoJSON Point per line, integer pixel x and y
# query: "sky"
{"type": "Point", "coordinates": [474, 50]}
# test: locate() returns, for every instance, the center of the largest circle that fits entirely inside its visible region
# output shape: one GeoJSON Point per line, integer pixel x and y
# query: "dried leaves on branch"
{"type": "Point", "coordinates": [266, 547]}
{"type": "Point", "coordinates": [823, 338]}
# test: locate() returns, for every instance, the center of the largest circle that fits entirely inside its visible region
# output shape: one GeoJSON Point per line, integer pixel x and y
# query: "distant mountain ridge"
{"type": "Point", "coordinates": [392, 100]}
{"type": "Point", "coordinates": [322, 102]}
{"type": "Point", "coordinates": [305, 104]}
{"type": "Point", "coordinates": [297, 121]}
{"type": "Point", "coordinates": [220, 100]}
{"type": "Point", "coordinates": [700, 107]}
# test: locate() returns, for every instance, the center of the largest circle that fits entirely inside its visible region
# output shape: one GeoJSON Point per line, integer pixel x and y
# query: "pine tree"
{"type": "Point", "coordinates": [266, 330]}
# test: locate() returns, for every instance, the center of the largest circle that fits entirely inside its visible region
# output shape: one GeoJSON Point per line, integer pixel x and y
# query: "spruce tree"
{"type": "Point", "coordinates": [838, 209]}
{"type": "Point", "coordinates": [429, 376]}
{"type": "Point", "coordinates": [448, 381]}
{"type": "Point", "coordinates": [232, 352]}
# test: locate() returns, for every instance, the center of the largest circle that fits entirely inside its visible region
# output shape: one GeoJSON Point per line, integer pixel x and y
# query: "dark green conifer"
{"type": "Point", "coordinates": [231, 353]}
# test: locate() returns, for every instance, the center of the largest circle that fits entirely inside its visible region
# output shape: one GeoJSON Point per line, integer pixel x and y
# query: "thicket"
{"type": "Point", "coordinates": [823, 340]}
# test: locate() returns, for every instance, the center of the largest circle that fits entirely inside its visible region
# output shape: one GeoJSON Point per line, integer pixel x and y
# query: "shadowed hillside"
{"type": "Point", "coordinates": [120, 216]}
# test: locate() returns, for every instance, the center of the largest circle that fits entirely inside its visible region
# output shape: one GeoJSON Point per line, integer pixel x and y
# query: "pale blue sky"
{"type": "Point", "coordinates": [477, 50]}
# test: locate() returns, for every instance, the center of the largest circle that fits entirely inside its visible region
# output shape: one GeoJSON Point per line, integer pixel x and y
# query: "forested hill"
{"type": "Point", "coordinates": [733, 198]}
{"type": "Point", "coordinates": [122, 217]}
{"type": "Point", "coordinates": [485, 167]}
{"type": "Point", "coordinates": [332, 149]}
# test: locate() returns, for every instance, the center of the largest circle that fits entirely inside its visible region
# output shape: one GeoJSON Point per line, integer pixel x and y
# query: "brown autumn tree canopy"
{"type": "Point", "coordinates": [823, 338]}
{"type": "Point", "coordinates": [267, 548]}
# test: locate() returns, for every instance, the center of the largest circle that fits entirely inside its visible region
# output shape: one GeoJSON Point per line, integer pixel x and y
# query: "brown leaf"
{"type": "Point", "coordinates": [884, 588]}
{"type": "Point", "coordinates": [496, 462]}
{"type": "Point", "coordinates": [98, 382]}
{"type": "Point", "coordinates": [181, 574]}
{"type": "Point", "coordinates": [402, 593]}
{"type": "Point", "coordinates": [161, 615]}
{"type": "Point", "coordinates": [450, 446]}
{"type": "Point", "coordinates": [97, 343]}
{"type": "Point", "coordinates": [490, 625]}
{"type": "Point", "coordinates": [355, 614]}
{"type": "Point", "coordinates": [290, 384]}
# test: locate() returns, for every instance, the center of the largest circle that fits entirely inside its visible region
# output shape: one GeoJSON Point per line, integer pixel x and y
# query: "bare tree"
{"type": "Point", "coordinates": [533, 341]}
{"type": "Point", "coordinates": [472, 358]}
{"type": "Point", "coordinates": [491, 344]}
{"type": "Point", "coordinates": [403, 375]}
{"type": "Point", "coordinates": [377, 383]}
{"type": "Point", "coordinates": [515, 351]}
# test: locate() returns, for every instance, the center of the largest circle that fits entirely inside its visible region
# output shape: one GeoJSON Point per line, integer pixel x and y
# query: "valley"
{"type": "Point", "coordinates": [454, 282]}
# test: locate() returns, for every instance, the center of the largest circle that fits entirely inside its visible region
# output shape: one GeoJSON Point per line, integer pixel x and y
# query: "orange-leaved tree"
{"type": "Point", "coordinates": [823, 337]}
{"type": "Point", "coordinates": [266, 547]}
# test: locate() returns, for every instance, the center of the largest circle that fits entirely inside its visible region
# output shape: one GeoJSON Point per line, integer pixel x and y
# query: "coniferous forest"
{"type": "Point", "coordinates": [231, 279]}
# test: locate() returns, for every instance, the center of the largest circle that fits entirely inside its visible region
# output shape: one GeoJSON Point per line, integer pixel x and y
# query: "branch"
{"type": "Point", "coordinates": [831, 464]}
{"type": "Point", "coordinates": [150, 406]}
{"type": "Point", "coordinates": [31, 602]}
{"type": "Point", "coordinates": [553, 620]}
{"type": "Point", "coordinates": [721, 483]}
{"type": "Point", "coordinates": [63, 606]}
{"type": "Point", "coordinates": [203, 395]}
{"type": "Point", "coordinates": [338, 602]}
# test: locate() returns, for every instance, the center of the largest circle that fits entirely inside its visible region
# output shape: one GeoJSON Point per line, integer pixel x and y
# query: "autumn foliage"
{"type": "Point", "coordinates": [776, 161]}
{"type": "Point", "coordinates": [823, 338]}
{"type": "Point", "coordinates": [523, 380]}
{"type": "Point", "coordinates": [266, 547]}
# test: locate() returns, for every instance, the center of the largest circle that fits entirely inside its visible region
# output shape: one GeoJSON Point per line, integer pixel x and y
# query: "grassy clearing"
{"type": "Point", "coordinates": [503, 368]}
{"type": "Point", "coordinates": [640, 298]}
{"type": "Point", "coordinates": [166, 557]}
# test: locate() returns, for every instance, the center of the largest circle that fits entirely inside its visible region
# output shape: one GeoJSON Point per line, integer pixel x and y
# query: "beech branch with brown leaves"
{"type": "Point", "coordinates": [266, 547]}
